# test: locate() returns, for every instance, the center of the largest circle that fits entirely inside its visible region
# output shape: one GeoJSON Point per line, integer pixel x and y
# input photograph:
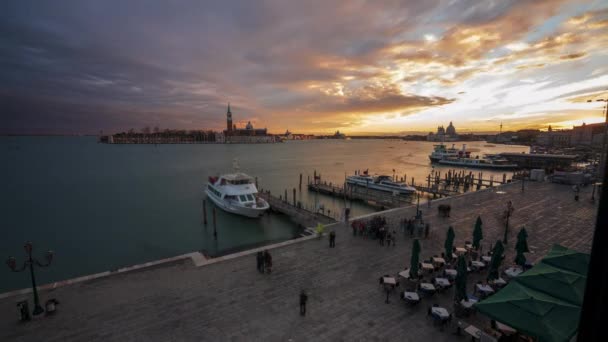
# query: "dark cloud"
{"type": "Point", "coordinates": [79, 65]}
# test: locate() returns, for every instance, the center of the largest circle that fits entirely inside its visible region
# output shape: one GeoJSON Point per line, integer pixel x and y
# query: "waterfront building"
{"type": "Point", "coordinates": [246, 135]}
{"type": "Point", "coordinates": [592, 134]}
{"type": "Point", "coordinates": [554, 138]}
{"type": "Point", "coordinates": [444, 134]}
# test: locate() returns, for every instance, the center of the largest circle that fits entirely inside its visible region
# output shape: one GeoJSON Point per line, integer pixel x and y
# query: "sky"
{"type": "Point", "coordinates": [315, 66]}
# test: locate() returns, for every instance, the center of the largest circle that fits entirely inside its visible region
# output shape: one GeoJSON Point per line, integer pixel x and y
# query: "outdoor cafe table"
{"type": "Point", "coordinates": [485, 289]}
{"type": "Point", "coordinates": [505, 329]}
{"type": "Point", "coordinates": [473, 331]}
{"type": "Point", "coordinates": [439, 261]}
{"type": "Point", "coordinates": [427, 287]}
{"type": "Point", "coordinates": [405, 274]}
{"type": "Point", "coordinates": [451, 273]}
{"type": "Point", "coordinates": [440, 312]}
{"type": "Point", "coordinates": [428, 267]}
{"type": "Point", "coordinates": [478, 264]}
{"type": "Point", "coordinates": [467, 304]}
{"type": "Point", "coordinates": [411, 297]}
{"type": "Point", "coordinates": [498, 282]}
{"type": "Point", "coordinates": [389, 281]}
{"type": "Point", "coordinates": [468, 246]}
{"type": "Point", "coordinates": [513, 272]}
{"type": "Point", "coordinates": [486, 258]}
{"type": "Point", "coordinates": [461, 250]}
{"type": "Point", "coordinates": [442, 282]}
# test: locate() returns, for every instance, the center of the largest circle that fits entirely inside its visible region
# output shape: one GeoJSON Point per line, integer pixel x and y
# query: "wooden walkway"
{"type": "Point", "coordinates": [378, 199]}
{"type": "Point", "coordinates": [297, 214]}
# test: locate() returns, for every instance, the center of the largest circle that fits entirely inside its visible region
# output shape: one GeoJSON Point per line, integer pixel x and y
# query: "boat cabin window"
{"type": "Point", "coordinates": [243, 198]}
{"type": "Point", "coordinates": [250, 197]}
{"type": "Point", "coordinates": [239, 182]}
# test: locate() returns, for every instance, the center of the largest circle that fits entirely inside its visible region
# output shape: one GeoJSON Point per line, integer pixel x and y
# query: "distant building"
{"type": "Point", "coordinates": [552, 138]}
{"type": "Point", "coordinates": [247, 135]}
{"type": "Point", "coordinates": [592, 134]}
{"type": "Point", "coordinates": [444, 134]}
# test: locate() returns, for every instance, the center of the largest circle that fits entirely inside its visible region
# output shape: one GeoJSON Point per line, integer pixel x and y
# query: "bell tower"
{"type": "Point", "coordinates": [228, 121]}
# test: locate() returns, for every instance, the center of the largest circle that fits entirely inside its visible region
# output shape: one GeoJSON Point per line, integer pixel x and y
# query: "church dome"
{"type": "Point", "coordinates": [249, 125]}
{"type": "Point", "coordinates": [451, 130]}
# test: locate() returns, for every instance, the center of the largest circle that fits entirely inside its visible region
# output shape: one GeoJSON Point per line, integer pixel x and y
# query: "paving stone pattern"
{"type": "Point", "coordinates": [231, 301]}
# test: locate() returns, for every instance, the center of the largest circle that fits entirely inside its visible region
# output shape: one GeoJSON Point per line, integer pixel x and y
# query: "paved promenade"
{"type": "Point", "coordinates": [231, 301]}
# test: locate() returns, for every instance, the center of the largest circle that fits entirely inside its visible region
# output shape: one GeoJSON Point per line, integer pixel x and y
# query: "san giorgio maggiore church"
{"type": "Point", "coordinates": [247, 135]}
{"type": "Point", "coordinates": [443, 134]}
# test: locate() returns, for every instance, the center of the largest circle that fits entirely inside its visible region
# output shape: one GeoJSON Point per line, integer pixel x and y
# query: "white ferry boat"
{"type": "Point", "coordinates": [482, 163]}
{"type": "Point", "coordinates": [236, 193]}
{"type": "Point", "coordinates": [440, 152]}
{"type": "Point", "coordinates": [382, 183]}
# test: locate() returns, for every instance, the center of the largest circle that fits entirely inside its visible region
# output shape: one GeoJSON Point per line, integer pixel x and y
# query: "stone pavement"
{"type": "Point", "coordinates": [231, 301]}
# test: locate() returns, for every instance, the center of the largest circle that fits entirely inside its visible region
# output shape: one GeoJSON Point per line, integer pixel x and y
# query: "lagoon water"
{"type": "Point", "coordinates": [101, 207]}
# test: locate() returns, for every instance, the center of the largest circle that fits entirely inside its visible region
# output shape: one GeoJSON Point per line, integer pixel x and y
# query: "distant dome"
{"type": "Point", "coordinates": [249, 126]}
{"type": "Point", "coordinates": [451, 130]}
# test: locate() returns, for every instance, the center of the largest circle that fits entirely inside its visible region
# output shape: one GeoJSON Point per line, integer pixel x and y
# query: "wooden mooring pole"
{"type": "Point", "coordinates": [204, 212]}
{"type": "Point", "coordinates": [294, 194]}
{"type": "Point", "coordinates": [214, 225]}
{"type": "Point", "coordinates": [300, 181]}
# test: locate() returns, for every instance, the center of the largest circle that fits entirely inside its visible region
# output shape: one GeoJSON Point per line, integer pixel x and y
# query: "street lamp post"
{"type": "Point", "coordinates": [30, 262]}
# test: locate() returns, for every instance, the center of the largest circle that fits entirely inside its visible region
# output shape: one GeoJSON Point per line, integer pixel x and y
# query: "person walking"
{"type": "Point", "coordinates": [332, 239]}
{"type": "Point", "coordinates": [303, 299]}
{"type": "Point", "coordinates": [389, 237]}
{"type": "Point", "coordinates": [427, 228]}
{"type": "Point", "coordinates": [394, 237]}
{"type": "Point", "coordinates": [268, 262]}
{"type": "Point", "coordinates": [260, 261]}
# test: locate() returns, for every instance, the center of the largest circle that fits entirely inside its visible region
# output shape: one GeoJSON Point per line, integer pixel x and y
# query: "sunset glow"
{"type": "Point", "coordinates": [312, 67]}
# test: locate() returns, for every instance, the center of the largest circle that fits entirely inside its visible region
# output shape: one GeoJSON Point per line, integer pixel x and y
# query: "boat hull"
{"type": "Point", "coordinates": [374, 186]}
{"type": "Point", "coordinates": [478, 166]}
{"type": "Point", "coordinates": [238, 209]}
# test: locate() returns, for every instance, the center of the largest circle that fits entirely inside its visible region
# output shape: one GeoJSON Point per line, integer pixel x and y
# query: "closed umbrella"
{"type": "Point", "coordinates": [414, 261]}
{"type": "Point", "coordinates": [461, 279]}
{"type": "Point", "coordinates": [521, 247]}
{"type": "Point", "coordinates": [496, 260]}
{"type": "Point", "coordinates": [449, 243]}
{"type": "Point", "coordinates": [477, 233]}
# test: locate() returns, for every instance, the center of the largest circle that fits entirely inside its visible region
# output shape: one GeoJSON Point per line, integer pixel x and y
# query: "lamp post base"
{"type": "Point", "coordinates": [38, 310]}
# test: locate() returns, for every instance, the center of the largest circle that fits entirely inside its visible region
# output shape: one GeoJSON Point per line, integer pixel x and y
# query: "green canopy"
{"type": "Point", "coordinates": [565, 285]}
{"type": "Point", "coordinates": [568, 259]}
{"type": "Point", "coordinates": [496, 260]}
{"type": "Point", "coordinates": [545, 301]}
{"type": "Point", "coordinates": [477, 233]}
{"type": "Point", "coordinates": [461, 279]}
{"type": "Point", "coordinates": [532, 312]}
{"type": "Point", "coordinates": [414, 261]}
{"type": "Point", "coordinates": [449, 243]}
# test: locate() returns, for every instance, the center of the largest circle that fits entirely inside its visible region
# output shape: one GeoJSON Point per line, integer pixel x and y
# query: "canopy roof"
{"type": "Point", "coordinates": [545, 301]}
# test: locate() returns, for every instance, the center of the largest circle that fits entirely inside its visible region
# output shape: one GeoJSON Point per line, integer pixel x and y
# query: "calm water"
{"type": "Point", "coordinates": [101, 207]}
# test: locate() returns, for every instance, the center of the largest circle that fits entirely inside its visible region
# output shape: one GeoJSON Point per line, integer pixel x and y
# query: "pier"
{"type": "Point", "coordinates": [296, 213]}
{"type": "Point", "coordinates": [186, 302]}
{"type": "Point", "coordinates": [451, 183]}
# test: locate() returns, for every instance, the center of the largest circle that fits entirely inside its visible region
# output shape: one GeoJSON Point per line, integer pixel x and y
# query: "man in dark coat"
{"type": "Point", "coordinates": [332, 239]}
{"type": "Point", "coordinates": [303, 299]}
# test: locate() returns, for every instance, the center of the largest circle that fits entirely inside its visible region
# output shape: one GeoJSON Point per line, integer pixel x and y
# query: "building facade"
{"type": "Point", "coordinates": [444, 134]}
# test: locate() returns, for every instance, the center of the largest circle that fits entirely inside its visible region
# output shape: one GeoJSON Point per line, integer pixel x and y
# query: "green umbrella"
{"type": "Point", "coordinates": [414, 260]}
{"type": "Point", "coordinates": [521, 247]}
{"type": "Point", "coordinates": [477, 234]}
{"type": "Point", "coordinates": [461, 279]}
{"type": "Point", "coordinates": [496, 260]}
{"type": "Point", "coordinates": [449, 243]}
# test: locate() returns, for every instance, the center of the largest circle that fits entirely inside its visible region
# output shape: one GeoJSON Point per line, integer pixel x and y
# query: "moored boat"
{"type": "Point", "coordinates": [236, 193]}
{"type": "Point", "coordinates": [381, 183]}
